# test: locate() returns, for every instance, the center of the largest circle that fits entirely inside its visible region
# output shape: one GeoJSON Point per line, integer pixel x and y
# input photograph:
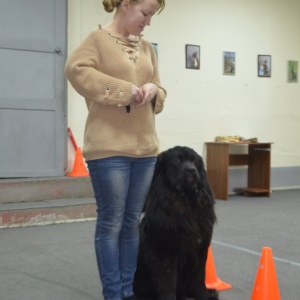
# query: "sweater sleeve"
{"type": "Point", "coordinates": [82, 71]}
{"type": "Point", "coordinates": [162, 93]}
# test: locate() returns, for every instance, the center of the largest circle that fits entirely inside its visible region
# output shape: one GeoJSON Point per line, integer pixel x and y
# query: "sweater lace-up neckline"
{"type": "Point", "coordinates": [130, 46]}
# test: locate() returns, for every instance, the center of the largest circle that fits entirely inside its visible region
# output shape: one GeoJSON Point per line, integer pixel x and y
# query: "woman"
{"type": "Point", "coordinates": [115, 70]}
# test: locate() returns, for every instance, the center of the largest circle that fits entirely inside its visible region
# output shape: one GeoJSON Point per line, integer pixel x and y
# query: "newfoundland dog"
{"type": "Point", "coordinates": [176, 230]}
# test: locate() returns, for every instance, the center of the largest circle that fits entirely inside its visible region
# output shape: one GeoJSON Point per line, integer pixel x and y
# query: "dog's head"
{"type": "Point", "coordinates": [182, 169]}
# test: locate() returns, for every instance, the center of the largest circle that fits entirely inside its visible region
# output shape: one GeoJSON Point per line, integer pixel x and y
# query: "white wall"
{"type": "Point", "coordinates": [202, 104]}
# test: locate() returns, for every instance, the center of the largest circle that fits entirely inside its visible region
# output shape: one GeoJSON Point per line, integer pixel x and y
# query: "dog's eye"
{"type": "Point", "coordinates": [178, 161]}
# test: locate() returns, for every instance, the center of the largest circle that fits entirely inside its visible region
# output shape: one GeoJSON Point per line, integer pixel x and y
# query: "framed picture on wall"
{"type": "Point", "coordinates": [192, 57]}
{"type": "Point", "coordinates": [228, 63]}
{"type": "Point", "coordinates": [292, 71]}
{"type": "Point", "coordinates": [264, 65]}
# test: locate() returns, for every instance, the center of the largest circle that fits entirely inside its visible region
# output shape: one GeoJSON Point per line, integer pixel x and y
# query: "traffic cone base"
{"type": "Point", "coordinates": [218, 285]}
{"type": "Point", "coordinates": [79, 168]}
{"type": "Point", "coordinates": [266, 285]}
{"type": "Point", "coordinates": [212, 282]}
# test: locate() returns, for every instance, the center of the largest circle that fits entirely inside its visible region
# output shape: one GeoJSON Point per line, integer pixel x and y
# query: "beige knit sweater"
{"type": "Point", "coordinates": [103, 69]}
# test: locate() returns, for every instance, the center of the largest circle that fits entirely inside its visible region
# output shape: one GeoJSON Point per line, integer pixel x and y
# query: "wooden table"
{"type": "Point", "coordinates": [258, 160]}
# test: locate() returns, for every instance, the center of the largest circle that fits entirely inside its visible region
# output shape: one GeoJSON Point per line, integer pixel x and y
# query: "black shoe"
{"type": "Point", "coordinates": [130, 298]}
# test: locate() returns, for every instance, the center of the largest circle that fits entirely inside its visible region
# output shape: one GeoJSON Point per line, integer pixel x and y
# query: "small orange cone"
{"type": "Point", "coordinates": [79, 168]}
{"type": "Point", "coordinates": [212, 282]}
{"type": "Point", "coordinates": [266, 285]}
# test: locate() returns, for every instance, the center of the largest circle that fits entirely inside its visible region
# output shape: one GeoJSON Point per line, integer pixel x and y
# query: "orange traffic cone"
{"type": "Point", "coordinates": [266, 285]}
{"type": "Point", "coordinates": [79, 168]}
{"type": "Point", "coordinates": [212, 282]}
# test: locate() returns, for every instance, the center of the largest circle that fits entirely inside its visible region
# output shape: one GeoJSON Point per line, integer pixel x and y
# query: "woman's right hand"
{"type": "Point", "coordinates": [137, 95]}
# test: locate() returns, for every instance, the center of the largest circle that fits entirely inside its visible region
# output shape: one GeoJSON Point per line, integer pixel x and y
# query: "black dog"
{"type": "Point", "coordinates": [176, 230]}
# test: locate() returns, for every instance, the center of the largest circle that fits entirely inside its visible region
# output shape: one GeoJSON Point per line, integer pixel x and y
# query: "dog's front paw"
{"type": "Point", "coordinates": [213, 294]}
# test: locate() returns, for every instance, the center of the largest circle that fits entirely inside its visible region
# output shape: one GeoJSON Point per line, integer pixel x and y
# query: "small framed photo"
{"type": "Point", "coordinates": [264, 65]}
{"type": "Point", "coordinates": [228, 63]}
{"type": "Point", "coordinates": [192, 57]}
{"type": "Point", "coordinates": [292, 71]}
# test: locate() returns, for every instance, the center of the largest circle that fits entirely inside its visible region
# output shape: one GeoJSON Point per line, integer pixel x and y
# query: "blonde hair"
{"type": "Point", "coordinates": [110, 5]}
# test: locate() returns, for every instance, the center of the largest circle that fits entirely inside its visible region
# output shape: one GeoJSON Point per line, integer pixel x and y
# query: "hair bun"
{"type": "Point", "coordinates": [110, 5]}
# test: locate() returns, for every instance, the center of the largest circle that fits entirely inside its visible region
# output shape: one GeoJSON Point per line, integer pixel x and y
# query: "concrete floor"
{"type": "Point", "coordinates": [57, 262]}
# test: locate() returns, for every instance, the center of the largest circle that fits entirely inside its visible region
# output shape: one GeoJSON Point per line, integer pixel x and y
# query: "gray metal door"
{"type": "Point", "coordinates": [33, 126]}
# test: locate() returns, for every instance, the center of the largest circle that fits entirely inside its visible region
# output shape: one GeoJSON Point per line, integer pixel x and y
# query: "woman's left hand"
{"type": "Point", "coordinates": [149, 91]}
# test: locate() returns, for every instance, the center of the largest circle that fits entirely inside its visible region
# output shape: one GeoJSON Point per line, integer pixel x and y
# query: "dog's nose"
{"type": "Point", "coordinates": [191, 171]}
{"type": "Point", "coordinates": [191, 174]}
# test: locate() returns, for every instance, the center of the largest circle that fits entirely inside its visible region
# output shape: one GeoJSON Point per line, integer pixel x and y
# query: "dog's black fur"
{"type": "Point", "coordinates": [176, 231]}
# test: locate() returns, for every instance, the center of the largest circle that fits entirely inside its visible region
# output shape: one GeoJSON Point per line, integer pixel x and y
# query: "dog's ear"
{"type": "Point", "coordinates": [205, 186]}
{"type": "Point", "coordinates": [204, 183]}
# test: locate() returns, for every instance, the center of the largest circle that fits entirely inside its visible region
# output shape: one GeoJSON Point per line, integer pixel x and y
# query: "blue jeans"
{"type": "Point", "coordinates": [120, 186]}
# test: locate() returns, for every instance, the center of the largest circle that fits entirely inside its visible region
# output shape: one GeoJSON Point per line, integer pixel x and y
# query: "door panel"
{"type": "Point", "coordinates": [27, 141]}
{"type": "Point", "coordinates": [31, 72]}
{"type": "Point", "coordinates": [33, 132]}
